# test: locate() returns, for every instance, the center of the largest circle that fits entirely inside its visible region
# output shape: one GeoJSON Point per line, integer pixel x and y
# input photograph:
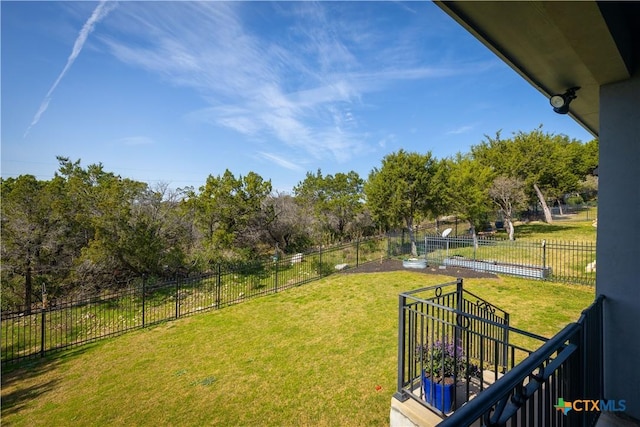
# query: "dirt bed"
{"type": "Point", "coordinates": [396, 265]}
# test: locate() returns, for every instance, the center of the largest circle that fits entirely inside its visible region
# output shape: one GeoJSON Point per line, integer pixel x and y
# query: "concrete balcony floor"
{"type": "Point", "coordinates": [416, 415]}
{"type": "Point", "coordinates": [412, 414]}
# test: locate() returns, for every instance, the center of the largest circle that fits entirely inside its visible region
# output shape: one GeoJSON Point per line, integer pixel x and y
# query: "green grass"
{"type": "Point", "coordinates": [570, 247]}
{"type": "Point", "coordinates": [322, 354]}
{"type": "Point", "coordinates": [572, 228]}
{"type": "Point", "coordinates": [566, 230]}
{"type": "Point", "coordinates": [123, 310]}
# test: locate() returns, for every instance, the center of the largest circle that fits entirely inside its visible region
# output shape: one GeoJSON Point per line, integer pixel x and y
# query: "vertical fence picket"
{"type": "Point", "coordinates": [68, 323]}
{"type": "Point", "coordinates": [275, 280]}
{"type": "Point", "coordinates": [144, 293]}
{"type": "Point", "coordinates": [218, 283]}
{"type": "Point", "coordinates": [42, 330]}
{"type": "Point", "coordinates": [177, 297]}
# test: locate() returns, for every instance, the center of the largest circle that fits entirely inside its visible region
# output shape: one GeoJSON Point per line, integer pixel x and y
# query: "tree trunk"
{"type": "Point", "coordinates": [473, 234]}
{"type": "Point", "coordinates": [510, 228]}
{"type": "Point", "coordinates": [414, 247]}
{"type": "Point", "coordinates": [560, 206]}
{"type": "Point", "coordinates": [412, 237]}
{"type": "Point", "coordinates": [547, 213]}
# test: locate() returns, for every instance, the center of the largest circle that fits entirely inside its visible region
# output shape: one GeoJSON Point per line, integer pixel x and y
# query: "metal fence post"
{"type": "Point", "coordinates": [505, 339]}
{"type": "Point", "coordinates": [277, 263]}
{"type": "Point", "coordinates": [177, 297]}
{"type": "Point", "coordinates": [544, 256]}
{"type": "Point", "coordinates": [402, 331]}
{"type": "Point", "coordinates": [357, 252]}
{"type": "Point", "coordinates": [43, 321]}
{"type": "Point", "coordinates": [460, 318]}
{"type": "Point", "coordinates": [218, 280]}
{"type": "Point", "coordinates": [574, 374]}
{"type": "Point", "coordinates": [144, 296]}
{"type": "Point", "coordinates": [426, 247]}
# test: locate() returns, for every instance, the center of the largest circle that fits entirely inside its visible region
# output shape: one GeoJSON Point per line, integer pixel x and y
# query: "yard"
{"type": "Point", "coordinates": [320, 354]}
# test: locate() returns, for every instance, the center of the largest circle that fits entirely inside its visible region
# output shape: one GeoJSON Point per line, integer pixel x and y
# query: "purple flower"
{"type": "Point", "coordinates": [440, 360]}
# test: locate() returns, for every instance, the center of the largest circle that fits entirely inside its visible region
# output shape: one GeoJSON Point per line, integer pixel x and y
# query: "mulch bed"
{"type": "Point", "coordinates": [396, 265]}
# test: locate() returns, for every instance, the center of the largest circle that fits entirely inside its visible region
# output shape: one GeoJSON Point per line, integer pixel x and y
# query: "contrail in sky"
{"type": "Point", "coordinates": [99, 12]}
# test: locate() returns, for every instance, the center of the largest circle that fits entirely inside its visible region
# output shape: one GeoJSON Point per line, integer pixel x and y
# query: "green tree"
{"type": "Point", "coordinates": [468, 183]}
{"type": "Point", "coordinates": [122, 244]}
{"type": "Point", "coordinates": [27, 237]}
{"type": "Point", "coordinates": [230, 214]}
{"type": "Point", "coordinates": [508, 194]}
{"type": "Point", "coordinates": [334, 200]}
{"type": "Point", "coordinates": [120, 226]}
{"type": "Point", "coordinates": [402, 191]}
{"type": "Point", "coordinates": [285, 226]}
{"type": "Point", "coordinates": [548, 164]}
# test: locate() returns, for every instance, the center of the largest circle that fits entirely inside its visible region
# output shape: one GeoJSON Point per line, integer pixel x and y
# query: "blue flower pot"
{"type": "Point", "coordinates": [438, 395]}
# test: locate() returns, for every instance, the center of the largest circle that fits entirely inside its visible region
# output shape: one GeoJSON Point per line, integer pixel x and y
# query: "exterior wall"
{"type": "Point", "coordinates": [618, 246]}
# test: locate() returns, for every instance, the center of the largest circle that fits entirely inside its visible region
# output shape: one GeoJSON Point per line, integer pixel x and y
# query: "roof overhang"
{"type": "Point", "coordinates": [556, 45]}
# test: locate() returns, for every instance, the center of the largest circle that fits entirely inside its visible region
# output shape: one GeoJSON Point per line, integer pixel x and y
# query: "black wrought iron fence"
{"type": "Point", "coordinates": [567, 262]}
{"type": "Point", "coordinates": [452, 345]}
{"type": "Point", "coordinates": [62, 323]}
{"type": "Point", "coordinates": [543, 388]}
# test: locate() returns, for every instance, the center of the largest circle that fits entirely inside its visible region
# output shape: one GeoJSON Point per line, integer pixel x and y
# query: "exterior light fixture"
{"type": "Point", "coordinates": [560, 103]}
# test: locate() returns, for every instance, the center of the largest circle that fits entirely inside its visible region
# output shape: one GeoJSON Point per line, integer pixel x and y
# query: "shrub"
{"type": "Point", "coordinates": [322, 268]}
{"type": "Point", "coordinates": [575, 200]}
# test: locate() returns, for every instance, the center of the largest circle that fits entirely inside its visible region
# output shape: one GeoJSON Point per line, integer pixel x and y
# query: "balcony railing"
{"type": "Point", "coordinates": [566, 368]}
{"type": "Point", "coordinates": [477, 333]}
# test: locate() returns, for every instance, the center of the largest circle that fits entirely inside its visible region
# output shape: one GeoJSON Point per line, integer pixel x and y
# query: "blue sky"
{"type": "Point", "coordinates": [171, 92]}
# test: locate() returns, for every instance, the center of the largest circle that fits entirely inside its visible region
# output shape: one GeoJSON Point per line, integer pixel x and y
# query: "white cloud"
{"type": "Point", "coordinates": [461, 129]}
{"type": "Point", "coordinates": [390, 138]}
{"type": "Point", "coordinates": [281, 161]}
{"type": "Point", "coordinates": [101, 11]}
{"type": "Point", "coordinates": [301, 83]}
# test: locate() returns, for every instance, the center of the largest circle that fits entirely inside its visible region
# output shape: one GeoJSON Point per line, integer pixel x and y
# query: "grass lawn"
{"type": "Point", "coordinates": [570, 247]}
{"type": "Point", "coordinates": [570, 229]}
{"type": "Point", "coordinates": [323, 354]}
{"type": "Point", "coordinates": [566, 230]}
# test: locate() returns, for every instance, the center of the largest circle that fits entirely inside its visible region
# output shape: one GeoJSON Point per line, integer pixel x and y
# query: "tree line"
{"type": "Point", "coordinates": [88, 230]}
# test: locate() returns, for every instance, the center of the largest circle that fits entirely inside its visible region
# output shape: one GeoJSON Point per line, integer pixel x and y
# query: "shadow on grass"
{"type": "Point", "coordinates": [539, 228]}
{"type": "Point", "coordinates": [15, 395]}
{"type": "Point", "coordinates": [15, 400]}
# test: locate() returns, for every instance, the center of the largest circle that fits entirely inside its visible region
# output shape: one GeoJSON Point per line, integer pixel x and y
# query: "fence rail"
{"type": "Point", "coordinates": [478, 333]}
{"type": "Point", "coordinates": [568, 367]}
{"type": "Point", "coordinates": [62, 323]}
{"type": "Point", "coordinates": [567, 262]}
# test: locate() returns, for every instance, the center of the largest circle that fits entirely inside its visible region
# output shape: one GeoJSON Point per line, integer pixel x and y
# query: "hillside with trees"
{"type": "Point", "coordinates": [87, 230]}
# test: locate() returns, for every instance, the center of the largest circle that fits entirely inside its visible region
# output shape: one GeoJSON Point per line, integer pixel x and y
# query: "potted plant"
{"type": "Point", "coordinates": [441, 363]}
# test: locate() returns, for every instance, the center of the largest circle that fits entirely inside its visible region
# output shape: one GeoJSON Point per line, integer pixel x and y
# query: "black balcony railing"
{"type": "Point", "coordinates": [566, 368]}
{"type": "Point", "coordinates": [458, 328]}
